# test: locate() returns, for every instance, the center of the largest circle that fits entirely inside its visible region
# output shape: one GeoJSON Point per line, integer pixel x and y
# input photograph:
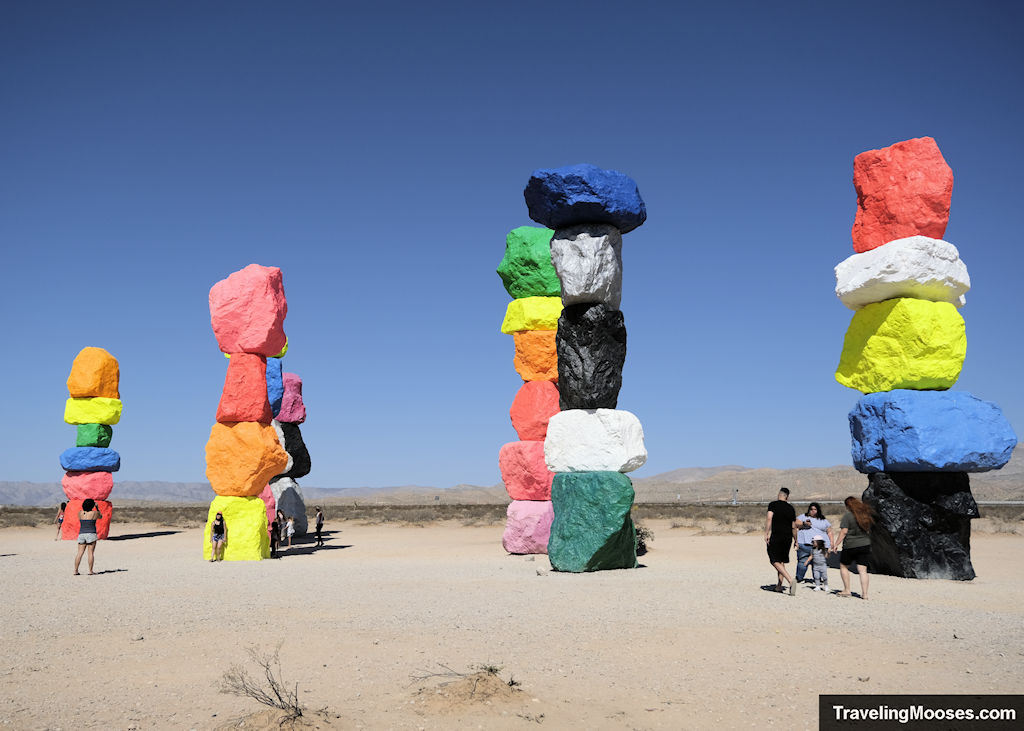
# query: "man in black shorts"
{"type": "Point", "coordinates": [780, 530]}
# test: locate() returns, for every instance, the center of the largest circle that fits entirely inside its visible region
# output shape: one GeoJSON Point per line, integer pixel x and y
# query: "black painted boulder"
{"type": "Point", "coordinates": [296, 449]}
{"type": "Point", "coordinates": [922, 528]}
{"type": "Point", "coordinates": [591, 348]}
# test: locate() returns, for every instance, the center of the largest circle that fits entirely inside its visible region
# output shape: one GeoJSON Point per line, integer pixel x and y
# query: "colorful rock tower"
{"type": "Point", "coordinates": [94, 407]}
{"type": "Point", "coordinates": [289, 413]}
{"type": "Point", "coordinates": [247, 312]}
{"type": "Point", "coordinates": [904, 348]}
{"type": "Point", "coordinates": [531, 319]}
{"type": "Point", "coordinates": [589, 443]}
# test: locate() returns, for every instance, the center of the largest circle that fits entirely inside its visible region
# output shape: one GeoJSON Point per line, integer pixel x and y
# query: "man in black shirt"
{"type": "Point", "coordinates": [780, 530]}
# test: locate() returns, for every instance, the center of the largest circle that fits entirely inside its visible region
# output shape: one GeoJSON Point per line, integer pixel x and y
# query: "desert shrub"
{"type": "Point", "coordinates": [644, 535]}
{"type": "Point", "coordinates": [270, 690]}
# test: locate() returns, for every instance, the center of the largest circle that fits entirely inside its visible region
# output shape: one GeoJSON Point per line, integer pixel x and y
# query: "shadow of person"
{"type": "Point", "coordinates": [306, 550]}
{"type": "Point", "coordinates": [773, 588]}
{"type": "Point", "coordinates": [151, 534]}
{"type": "Point", "coordinates": [109, 571]}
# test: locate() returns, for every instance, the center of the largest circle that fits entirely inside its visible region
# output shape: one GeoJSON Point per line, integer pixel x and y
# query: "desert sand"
{"type": "Point", "coordinates": [372, 626]}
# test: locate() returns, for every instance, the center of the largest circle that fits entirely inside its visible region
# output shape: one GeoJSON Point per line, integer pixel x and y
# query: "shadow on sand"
{"type": "Point", "coordinates": [151, 534]}
{"type": "Point", "coordinates": [307, 549]}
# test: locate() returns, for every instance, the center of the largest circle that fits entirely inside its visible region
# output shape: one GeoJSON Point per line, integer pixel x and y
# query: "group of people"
{"type": "Point", "coordinates": [812, 535]}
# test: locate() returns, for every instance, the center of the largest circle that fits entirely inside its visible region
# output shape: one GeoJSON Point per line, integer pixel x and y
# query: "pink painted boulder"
{"type": "Point", "coordinates": [69, 528]}
{"type": "Point", "coordinates": [902, 190]}
{"type": "Point", "coordinates": [528, 526]}
{"type": "Point", "coordinates": [247, 311]}
{"type": "Point", "coordinates": [534, 404]}
{"type": "Point", "coordinates": [267, 496]}
{"type": "Point", "coordinates": [523, 470]}
{"type": "Point", "coordinates": [293, 410]}
{"type": "Point", "coordinates": [82, 485]}
{"type": "Point", "coordinates": [244, 397]}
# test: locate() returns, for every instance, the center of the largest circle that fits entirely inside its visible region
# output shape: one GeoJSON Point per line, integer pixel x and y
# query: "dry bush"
{"type": "Point", "coordinates": [270, 690]}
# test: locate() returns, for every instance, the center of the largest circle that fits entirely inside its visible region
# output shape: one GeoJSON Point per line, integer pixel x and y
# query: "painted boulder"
{"type": "Point", "coordinates": [523, 471]}
{"type": "Point", "coordinates": [82, 485]}
{"type": "Point", "coordinates": [568, 196]}
{"type": "Point", "coordinates": [594, 440]}
{"type": "Point", "coordinates": [526, 269]}
{"type": "Point", "coordinates": [275, 385]}
{"type": "Point", "coordinates": [918, 267]}
{"type": "Point", "coordinates": [90, 459]}
{"type": "Point", "coordinates": [267, 496]}
{"type": "Point", "coordinates": [293, 408]}
{"type": "Point", "coordinates": [247, 311]}
{"type": "Point", "coordinates": [536, 358]}
{"type": "Point", "coordinates": [591, 351]}
{"type": "Point", "coordinates": [588, 259]}
{"type": "Point", "coordinates": [929, 431]}
{"type": "Point", "coordinates": [531, 313]}
{"type": "Point", "coordinates": [69, 528]}
{"type": "Point", "coordinates": [93, 435]}
{"type": "Point", "coordinates": [527, 526]}
{"type": "Point", "coordinates": [246, 521]}
{"type": "Point", "coordinates": [94, 372]}
{"type": "Point", "coordinates": [96, 410]}
{"type": "Point", "coordinates": [592, 529]}
{"type": "Point", "coordinates": [902, 190]}
{"type": "Point", "coordinates": [242, 457]}
{"type": "Point", "coordinates": [301, 464]}
{"type": "Point", "coordinates": [903, 343]}
{"type": "Point", "coordinates": [291, 502]}
{"type": "Point", "coordinates": [244, 396]}
{"type": "Point", "coordinates": [535, 403]}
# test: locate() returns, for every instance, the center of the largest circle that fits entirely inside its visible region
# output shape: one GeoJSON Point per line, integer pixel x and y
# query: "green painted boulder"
{"type": "Point", "coordinates": [93, 435]}
{"type": "Point", "coordinates": [526, 269]}
{"type": "Point", "coordinates": [592, 529]}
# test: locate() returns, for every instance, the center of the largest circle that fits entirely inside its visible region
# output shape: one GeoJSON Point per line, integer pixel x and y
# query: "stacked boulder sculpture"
{"type": "Point", "coordinates": [94, 407]}
{"type": "Point", "coordinates": [904, 348]}
{"type": "Point", "coordinates": [247, 312]}
{"type": "Point", "coordinates": [589, 443]}
{"type": "Point", "coordinates": [531, 319]}
{"type": "Point", "coordinates": [289, 413]}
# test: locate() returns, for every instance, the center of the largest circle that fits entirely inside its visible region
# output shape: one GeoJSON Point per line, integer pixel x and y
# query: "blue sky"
{"type": "Point", "coordinates": [377, 153]}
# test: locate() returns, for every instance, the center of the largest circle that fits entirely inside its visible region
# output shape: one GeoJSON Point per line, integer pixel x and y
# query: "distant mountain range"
{"type": "Point", "coordinates": [688, 484]}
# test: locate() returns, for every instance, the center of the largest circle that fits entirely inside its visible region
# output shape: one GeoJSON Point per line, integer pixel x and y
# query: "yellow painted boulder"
{"type": "Point", "coordinates": [94, 372]}
{"type": "Point", "coordinates": [246, 522]}
{"type": "Point", "coordinates": [903, 343]}
{"type": "Point", "coordinates": [98, 410]}
{"type": "Point", "coordinates": [532, 313]}
{"type": "Point", "coordinates": [241, 457]}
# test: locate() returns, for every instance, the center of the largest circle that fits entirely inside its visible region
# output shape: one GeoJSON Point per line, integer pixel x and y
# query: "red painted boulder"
{"type": "Point", "coordinates": [293, 410]}
{"type": "Point", "coordinates": [523, 471]}
{"type": "Point", "coordinates": [902, 190]}
{"type": "Point", "coordinates": [82, 485]}
{"type": "Point", "coordinates": [528, 526]}
{"type": "Point", "coordinates": [244, 397]}
{"type": "Point", "coordinates": [534, 404]}
{"type": "Point", "coordinates": [69, 528]}
{"type": "Point", "coordinates": [247, 311]}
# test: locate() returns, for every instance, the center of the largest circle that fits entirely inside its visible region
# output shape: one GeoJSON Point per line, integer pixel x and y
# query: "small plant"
{"type": "Point", "coordinates": [270, 690]}
{"type": "Point", "coordinates": [644, 535]}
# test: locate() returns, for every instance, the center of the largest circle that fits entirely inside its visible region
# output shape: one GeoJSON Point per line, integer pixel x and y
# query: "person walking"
{"type": "Point", "coordinates": [819, 562]}
{"type": "Point", "coordinates": [59, 520]}
{"type": "Point", "coordinates": [855, 542]}
{"type": "Point", "coordinates": [812, 522]}
{"type": "Point", "coordinates": [87, 534]}
{"type": "Point", "coordinates": [780, 529]}
{"type": "Point", "coordinates": [319, 527]}
{"type": "Point", "coordinates": [218, 537]}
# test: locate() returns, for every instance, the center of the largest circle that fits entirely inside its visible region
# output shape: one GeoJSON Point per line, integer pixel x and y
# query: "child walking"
{"type": "Point", "coordinates": [818, 562]}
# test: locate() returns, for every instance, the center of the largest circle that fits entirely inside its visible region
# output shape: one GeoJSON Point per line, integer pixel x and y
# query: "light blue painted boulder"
{"type": "Point", "coordinates": [577, 194]}
{"type": "Point", "coordinates": [90, 459]}
{"type": "Point", "coordinates": [275, 384]}
{"type": "Point", "coordinates": [929, 431]}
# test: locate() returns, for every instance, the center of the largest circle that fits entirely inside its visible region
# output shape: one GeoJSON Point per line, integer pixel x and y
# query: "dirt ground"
{"type": "Point", "coordinates": [435, 627]}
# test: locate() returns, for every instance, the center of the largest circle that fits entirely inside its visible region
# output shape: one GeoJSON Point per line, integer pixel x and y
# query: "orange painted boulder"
{"type": "Point", "coordinates": [902, 190]}
{"type": "Point", "coordinates": [69, 528]}
{"type": "Point", "coordinates": [244, 397]}
{"type": "Point", "coordinates": [536, 358]}
{"type": "Point", "coordinates": [247, 311]}
{"type": "Point", "coordinates": [94, 372]}
{"type": "Point", "coordinates": [242, 457]}
{"type": "Point", "coordinates": [82, 485]}
{"type": "Point", "coordinates": [534, 404]}
{"type": "Point", "coordinates": [524, 472]}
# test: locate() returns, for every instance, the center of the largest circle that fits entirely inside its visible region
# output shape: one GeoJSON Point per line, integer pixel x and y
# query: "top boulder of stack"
{"type": "Point", "coordinates": [902, 190]}
{"type": "Point", "coordinates": [94, 373]}
{"type": "Point", "coordinates": [247, 311]}
{"type": "Point", "coordinates": [576, 194]}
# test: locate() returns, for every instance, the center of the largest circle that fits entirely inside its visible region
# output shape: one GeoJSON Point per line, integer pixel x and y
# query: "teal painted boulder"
{"type": "Point", "coordinates": [592, 529]}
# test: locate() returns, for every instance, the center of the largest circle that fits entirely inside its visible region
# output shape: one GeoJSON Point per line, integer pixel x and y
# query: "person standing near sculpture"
{"type": "Point", "coordinates": [87, 535]}
{"type": "Point", "coordinates": [811, 523]}
{"type": "Point", "coordinates": [218, 537]}
{"type": "Point", "coordinates": [780, 532]}
{"type": "Point", "coordinates": [319, 527]}
{"type": "Point", "coordinates": [59, 519]}
{"type": "Point", "coordinates": [855, 541]}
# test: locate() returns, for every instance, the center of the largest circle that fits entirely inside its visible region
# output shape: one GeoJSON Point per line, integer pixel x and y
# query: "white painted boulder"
{"type": "Point", "coordinates": [594, 440]}
{"type": "Point", "coordinates": [588, 261]}
{"type": "Point", "coordinates": [918, 266]}
{"type": "Point", "coordinates": [291, 502]}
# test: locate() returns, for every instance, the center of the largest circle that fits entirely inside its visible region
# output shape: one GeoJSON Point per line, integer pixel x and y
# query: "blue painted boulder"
{"type": "Point", "coordinates": [90, 459]}
{"type": "Point", "coordinates": [929, 431]}
{"type": "Point", "coordinates": [275, 384]}
{"type": "Point", "coordinates": [563, 197]}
